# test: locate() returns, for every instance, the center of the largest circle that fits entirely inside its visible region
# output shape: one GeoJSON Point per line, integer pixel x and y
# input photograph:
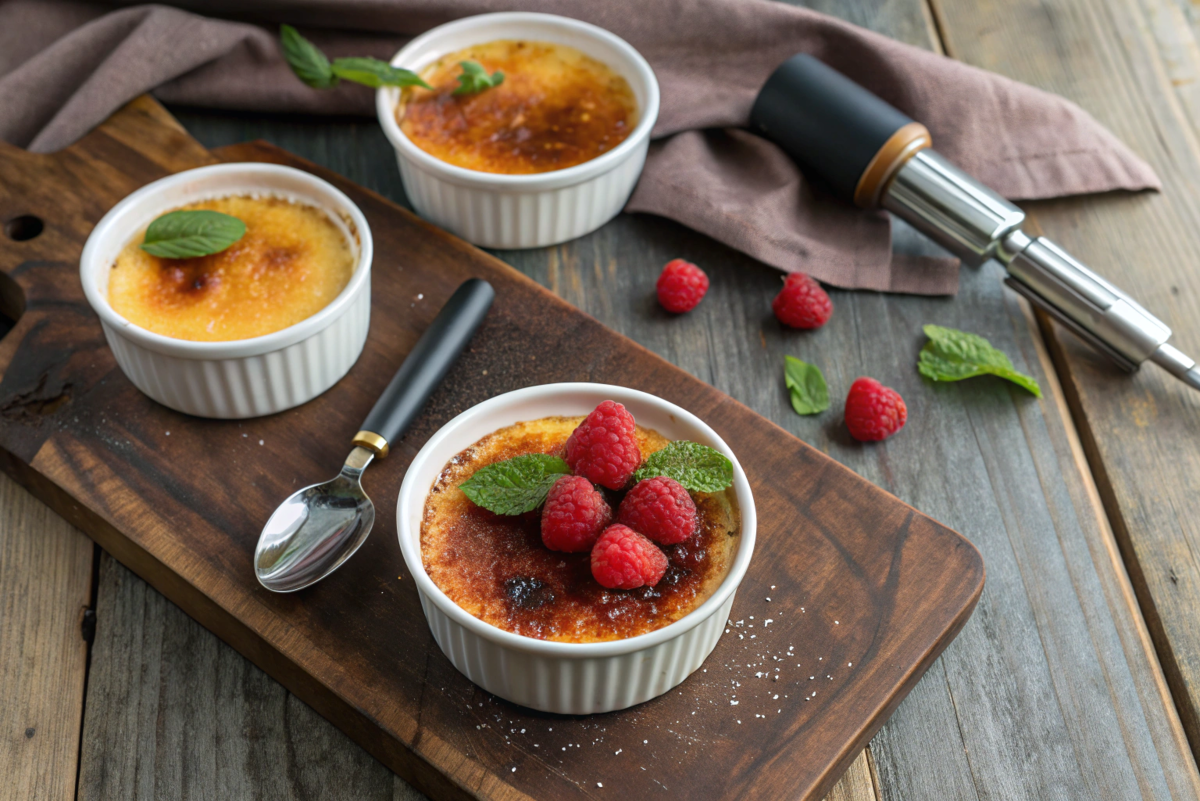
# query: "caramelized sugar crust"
{"type": "Point", "coordinates": [556, 108]}
{"type": "Point", "coordinates": [291, 263]}
{"type": "Point", "coordinates": [497, 569]}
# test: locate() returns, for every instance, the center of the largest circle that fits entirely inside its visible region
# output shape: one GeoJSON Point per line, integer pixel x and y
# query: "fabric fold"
{"type": "Point", "coordinates": [65, 65]}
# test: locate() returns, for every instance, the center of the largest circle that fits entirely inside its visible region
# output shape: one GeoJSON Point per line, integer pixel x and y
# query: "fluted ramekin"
{"type": "Point", "coordinates": [567, 678]}
{"type": "Point", "coordinates": [244, 377]}
{"type": "Point", "coordinates": [523, 211]}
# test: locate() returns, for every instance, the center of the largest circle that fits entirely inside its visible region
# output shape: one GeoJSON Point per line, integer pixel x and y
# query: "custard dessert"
{"type": "Point", "coordinates": [497, 568]}
{"type": "Point", "coordinates": [292, 262]}
{"type": "Point", "coordinates": [555, 108]}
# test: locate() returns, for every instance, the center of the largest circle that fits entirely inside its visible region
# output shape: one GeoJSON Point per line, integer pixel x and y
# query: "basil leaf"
{"type": "Point", "coordinates": [187, 234]}
{"type": "Point", "coordinates": [515, 486]}
{"type": "Point", "coordinates": [952, 355]}
{"type": "Point", "coordinates": [474, 78]}
{"type": "Point", "coordinates": [806, 385]}
{"type": "Point", "coordinates": [375, 73]}
{"type": "Point", "coordinates": [306, 59]}
{"type": "Point", "coordinates": [697, 467]}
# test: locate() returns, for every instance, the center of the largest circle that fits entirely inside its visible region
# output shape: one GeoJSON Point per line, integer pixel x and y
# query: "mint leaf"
{"type": "Point", "coordinates": [375, 73]}
{"type": "Point", "coordinates": [306, 59]}
{"type": "Point", "coordinates": [952, 355]}
{"type": "Point", "coordinates": [187, 234]}
{"type": "Point", "coordinates": [806, 385]}
{"type": "Point", "coordinates": [515, 486]}
{"type": "Point", "coordinates": [697, 467]}
{"type": "Point", "coordinates": [474, 78]}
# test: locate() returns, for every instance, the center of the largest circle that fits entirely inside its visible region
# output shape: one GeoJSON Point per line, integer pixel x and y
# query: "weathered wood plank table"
{"type": "Point", "coordinates": [1079, 674]}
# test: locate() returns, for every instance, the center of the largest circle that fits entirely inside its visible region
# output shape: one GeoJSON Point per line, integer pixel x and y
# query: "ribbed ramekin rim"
{"type": "Point", "coordinates": [411, 551]}
{"type": "Point", "coordinates": [387, 97]}
{"type": "Point", "coordinates": [237, 348]}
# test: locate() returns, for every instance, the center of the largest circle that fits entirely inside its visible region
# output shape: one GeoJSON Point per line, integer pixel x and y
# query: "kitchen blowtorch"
{"type": "Point", "coordinates": [874, 156]}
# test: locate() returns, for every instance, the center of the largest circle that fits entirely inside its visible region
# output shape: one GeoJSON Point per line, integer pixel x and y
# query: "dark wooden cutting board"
{"type": "Point", "coordinates": [851, 595]}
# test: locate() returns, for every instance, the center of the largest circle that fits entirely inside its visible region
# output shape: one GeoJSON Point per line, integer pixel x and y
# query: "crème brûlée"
{"type": "Point", "coordinates": [292, 262]}
{"type": "Point", "coordinates": [555, 108]}
{"type": "Point", "coordinates": [497, 569]}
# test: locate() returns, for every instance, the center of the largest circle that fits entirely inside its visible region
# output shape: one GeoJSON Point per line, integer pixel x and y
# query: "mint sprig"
{"type": "Point", "coordinates": [186, 234]}
{"type": "Point", "coordinates": [316, 70]}
{"type": "Point", "coordinates": [515, 486]}
{"type": "Point", "coordinates": [952, 355]}
{"type": "Point", "coordinates": [697, 467]}
{"type": "Point", "coordinates": [474, 78]}
{"type": "Point", "coordinates": [806, 385]}
{"type": "Point", "coordinates": [306, 59]}
{"type": "Point", "coordinates": [375, 73]}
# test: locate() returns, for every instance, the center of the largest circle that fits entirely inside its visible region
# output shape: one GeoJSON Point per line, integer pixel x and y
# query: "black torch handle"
{"type": "Point", "coordinates": [426, 366]}
{"type": "Point", "coordinates": [830, 125]}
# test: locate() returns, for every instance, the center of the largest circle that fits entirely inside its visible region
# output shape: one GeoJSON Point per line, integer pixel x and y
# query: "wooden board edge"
{"type": "Point", "coordinates": [881, 714]}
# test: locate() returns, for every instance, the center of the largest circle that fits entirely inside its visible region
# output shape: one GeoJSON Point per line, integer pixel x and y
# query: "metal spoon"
{"type": "Point", "coordinates": [318, 528]}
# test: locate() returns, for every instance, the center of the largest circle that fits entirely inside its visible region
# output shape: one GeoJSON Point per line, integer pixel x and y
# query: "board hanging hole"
{"type": "Point", "coordinates": [24, 227]}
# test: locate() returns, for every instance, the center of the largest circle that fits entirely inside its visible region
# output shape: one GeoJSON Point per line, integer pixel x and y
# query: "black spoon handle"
{"type": "Point", "coordinates": [426, 366]}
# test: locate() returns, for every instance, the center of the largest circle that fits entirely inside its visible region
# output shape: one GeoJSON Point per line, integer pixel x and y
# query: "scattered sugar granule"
{"type": "Point", "coordinates": [768, 621]}
{"type": "Point", "coordinates": [752, 636]}
{"type": "Point", "coordinates": [421, 296]}
{"type": "Point", "coordinates": [837, 623]}
{"type": "Point", "coordinates": [776, 698]}
{"type": "Point", "coordinates": [260, 442]}
{"type": "Point", "coordinates": [645, 741]}
{"type": "Point", "coordinates": [849, 664]}
{"type": "Point", "coordinates": [599, 784]}
{"type": "Point", "coordinates": [514, 770]}
{"type": "Point", "coordinates": [772, 586]}
{"type": "Point", "coordinates": [522, 731]}
{"type": "Point", "coordinates": [168, 433]}
{"type": "Point", "coordinates": [775, 677]}
{"type": "Point", "coordinates": [768, 600]}
{"type": "Point", "coordinates": [619, 750]}
{"type": "Point", "coordinates": [734, 703]}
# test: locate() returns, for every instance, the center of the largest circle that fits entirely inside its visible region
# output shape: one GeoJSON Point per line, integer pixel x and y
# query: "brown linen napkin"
{"type": "Point", "coordinates": [66, 65]}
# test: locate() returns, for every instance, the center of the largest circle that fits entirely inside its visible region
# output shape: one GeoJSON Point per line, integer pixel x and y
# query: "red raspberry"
{"type": "Point", "coordinates": [802, 303]}
{"type": "Point", "coordinates": [661, 509]}
{"type": "Point", "coordinates": [603, 447]}
{"type": "Point", "coordinates": [681, 286]}
{"type": "Point", "coordinates": [574, 515]}
{"type": "Point", "coordinates": [873, 411]}
{"type": "Point", "coordinates": [625, 560]}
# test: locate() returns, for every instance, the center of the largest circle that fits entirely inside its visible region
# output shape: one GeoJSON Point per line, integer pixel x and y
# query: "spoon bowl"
{"type": "Point", "coordinates": [316, 529]}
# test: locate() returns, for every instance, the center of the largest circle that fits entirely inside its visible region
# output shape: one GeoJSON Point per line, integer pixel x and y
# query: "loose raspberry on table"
{"type": "Point", "coordinates": [574, 515]}
{"type": "Point", "coordinates": [603, 448]}
{"type": "Point", "coordinates": [625, 560]}
{"type": "Point", "coordinates": [873, 411]}
{"type": "Point", "coordinates": [681, 286]}
{"type": "Point", "coordinates": [802, 303]}
{"type": "Point", "coordinates": [659, 508]}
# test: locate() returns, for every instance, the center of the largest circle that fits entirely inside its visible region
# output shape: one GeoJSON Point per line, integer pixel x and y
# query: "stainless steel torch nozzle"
{"type": "Point", "coordinates": [871, 154]}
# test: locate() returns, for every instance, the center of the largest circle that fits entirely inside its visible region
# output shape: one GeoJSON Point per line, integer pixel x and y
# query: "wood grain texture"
{"type": "Point", "coordinates": [1139, 432]}
{"type": "Point", "coordinates": [173, 713]}
{"type": "Point", "coordinates": [887, 588]}
{"type": "Point", "coordinates": [45, 586]}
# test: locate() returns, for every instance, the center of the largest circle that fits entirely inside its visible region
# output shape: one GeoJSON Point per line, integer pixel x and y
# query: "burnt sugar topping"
{"type": "Point", "coordinates": [555, 108]}
{"type": "Point", "coordinates": [292, 262]}
{"type": "Point", "coordinates": [497, 568]}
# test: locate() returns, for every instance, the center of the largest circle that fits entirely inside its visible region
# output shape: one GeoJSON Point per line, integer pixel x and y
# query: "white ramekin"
{"type": "Point", "coordinates": [245, 377]}
{"type": "Point", "coordinates": [523, 211]}
{"type": "Point", "coordinates": [567, 678]}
